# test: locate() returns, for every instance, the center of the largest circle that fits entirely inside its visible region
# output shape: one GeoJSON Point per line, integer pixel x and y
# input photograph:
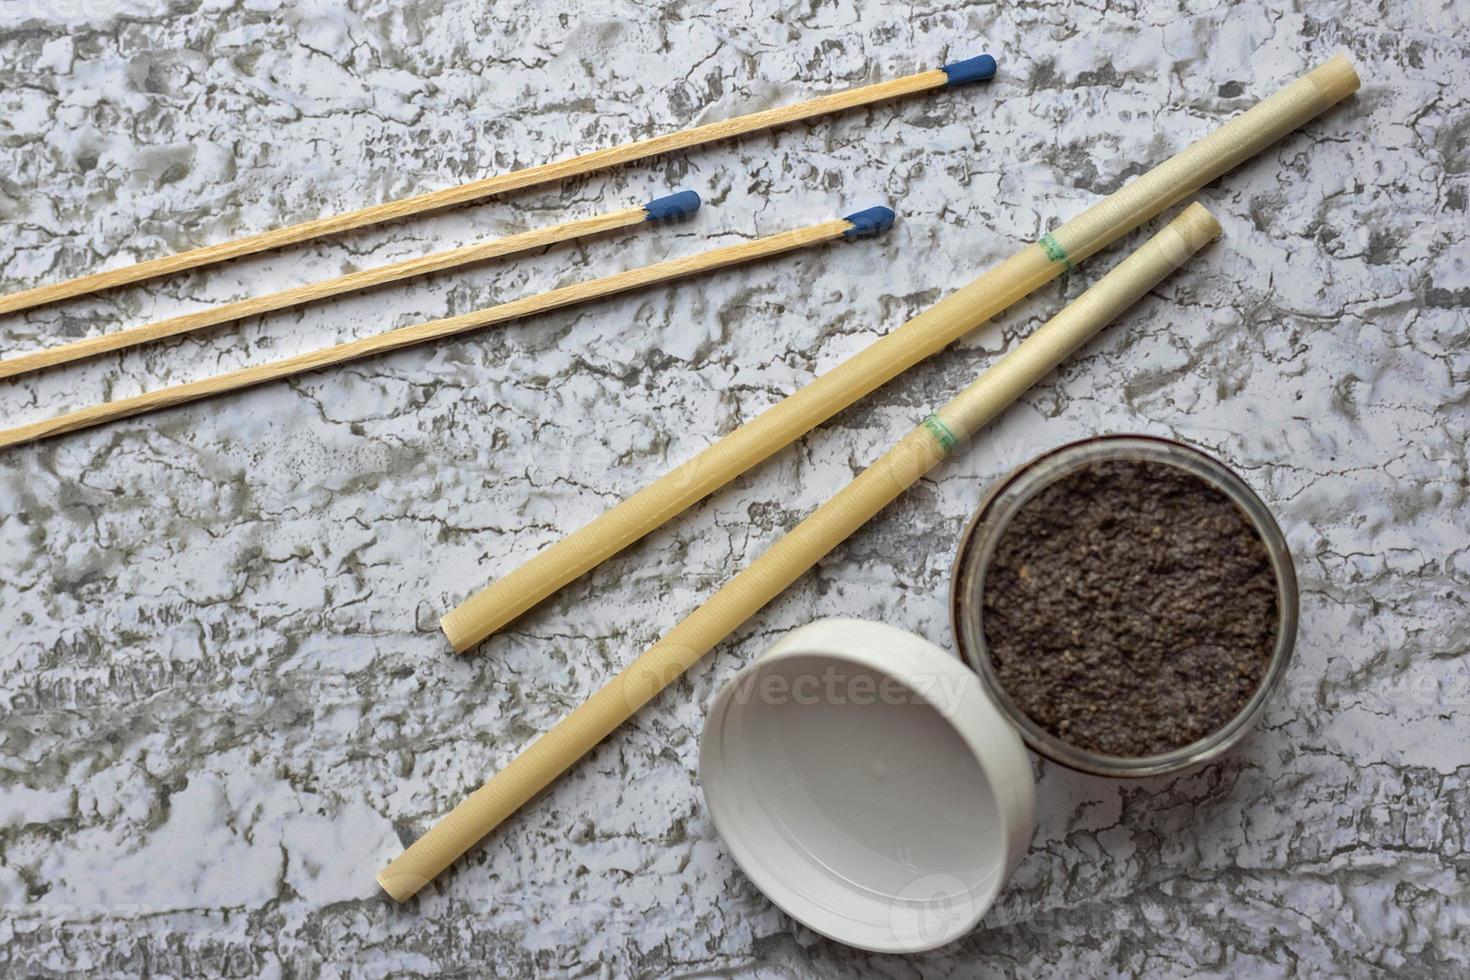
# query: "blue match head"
{"type": "Point", "coordinates": [680, 205]}
{"type": "Point", "coordinates": [873, 221]}
{"type": "Point", "coordinates": [976, 69]}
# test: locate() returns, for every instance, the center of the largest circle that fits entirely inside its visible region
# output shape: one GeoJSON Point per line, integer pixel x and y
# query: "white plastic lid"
{"type": "Point", "coordinates": [863, 781]}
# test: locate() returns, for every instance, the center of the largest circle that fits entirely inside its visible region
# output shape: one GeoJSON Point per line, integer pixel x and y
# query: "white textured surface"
{"type": "Point", "coordinates": [226, 702]}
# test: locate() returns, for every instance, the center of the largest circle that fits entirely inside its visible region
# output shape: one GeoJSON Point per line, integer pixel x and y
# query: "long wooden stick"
{"type": "Point", "coordinates": [972, 69]}
{"type": "Point", "coordinates": [790, 557]}
{"type": "Point", "coordinates": [527, 241]}
{"type": "Point", "coordinates": [855, 225]}
{"type": "Point", "coordinates": [927, 333]}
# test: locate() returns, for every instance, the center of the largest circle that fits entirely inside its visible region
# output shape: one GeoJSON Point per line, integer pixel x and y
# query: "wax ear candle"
{"type": "Point", "coordinates": [947, 320]}
{"type": "Point", "coordinates": [790, 557]}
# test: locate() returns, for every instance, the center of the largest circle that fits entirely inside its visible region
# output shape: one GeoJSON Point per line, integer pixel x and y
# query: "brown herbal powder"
{"type": "Point", "coordinates": [1130, 608]}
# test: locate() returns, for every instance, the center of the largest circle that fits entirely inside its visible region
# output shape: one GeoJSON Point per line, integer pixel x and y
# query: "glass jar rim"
{"type": "Point", "coordinates": [988, 524]}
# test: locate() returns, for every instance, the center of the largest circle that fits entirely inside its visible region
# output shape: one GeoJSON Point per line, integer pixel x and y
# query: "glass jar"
{"type": "Point", "coordinates": [977, 548]}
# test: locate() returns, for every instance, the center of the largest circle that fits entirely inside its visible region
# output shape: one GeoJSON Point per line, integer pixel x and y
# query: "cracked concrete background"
{"type": "Point", "coordinates": [226, 702]}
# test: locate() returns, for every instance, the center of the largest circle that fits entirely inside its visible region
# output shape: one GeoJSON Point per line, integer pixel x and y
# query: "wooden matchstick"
{"type": "Point", "coordinates": [930, 331]}
{"type": "Point", "coordinates": [960, 72]}
{"type": "Point", "coordinates": [675, 205]}
{"type": "Point", "coordinates": [860, 224]}
{"type": "Point", "coordinates": [790, 557]}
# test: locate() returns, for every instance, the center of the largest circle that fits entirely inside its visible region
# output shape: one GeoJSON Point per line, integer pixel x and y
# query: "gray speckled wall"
{"type": "Point", "coordinates": [226, 702]}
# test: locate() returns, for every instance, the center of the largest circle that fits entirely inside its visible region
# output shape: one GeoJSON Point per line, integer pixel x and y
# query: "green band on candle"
{"type": "Point", "coordinates": [1055, 252]}
{"type": "Point", "coordinates": [947, 439]}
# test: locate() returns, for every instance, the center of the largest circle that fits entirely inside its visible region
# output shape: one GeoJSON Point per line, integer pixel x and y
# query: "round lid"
{"type": "Point", "coordinates": [862, 780]}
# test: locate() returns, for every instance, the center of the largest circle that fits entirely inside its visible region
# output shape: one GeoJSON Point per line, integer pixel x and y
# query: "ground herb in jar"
{"type": "Point", "coordinates": [1130, 608]}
